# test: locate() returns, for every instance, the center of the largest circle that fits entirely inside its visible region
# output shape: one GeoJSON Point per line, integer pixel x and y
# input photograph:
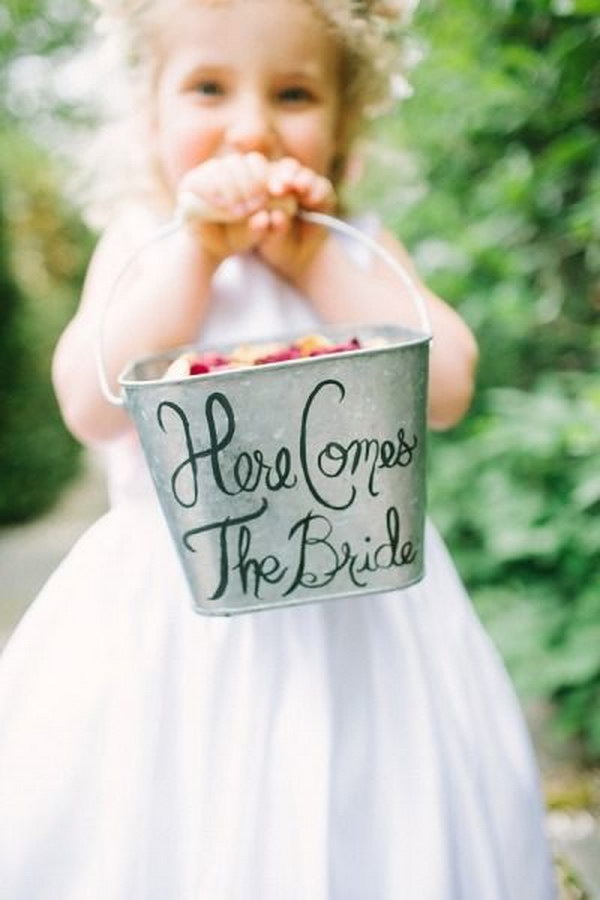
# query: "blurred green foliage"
{"type": "Point", "coordinates": [43, 248]}
{"type": "Point", "coordinates": [41, 264]}
{"type": "Point", "coordinates": [491, 175]}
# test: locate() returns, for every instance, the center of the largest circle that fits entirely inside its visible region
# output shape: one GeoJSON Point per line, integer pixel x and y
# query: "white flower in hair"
{"type": "Point", "coordinates": [399, 10]}
{"type": "Point", "coordinates": [116, 17]}
{"type": "Point", "coordinates": [121, 8]}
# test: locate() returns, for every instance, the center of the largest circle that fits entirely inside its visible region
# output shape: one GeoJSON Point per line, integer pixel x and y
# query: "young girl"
{"type": "Point", "coordinates": [361, 749]}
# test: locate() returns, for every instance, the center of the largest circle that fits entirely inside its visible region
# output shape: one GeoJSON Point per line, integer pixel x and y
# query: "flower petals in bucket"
{"type": "Point", "coordinates": [246, 355]}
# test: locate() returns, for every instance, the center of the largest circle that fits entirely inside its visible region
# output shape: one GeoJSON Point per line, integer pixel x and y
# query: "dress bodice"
{"type": "Point", "coordinates": [250, 303]}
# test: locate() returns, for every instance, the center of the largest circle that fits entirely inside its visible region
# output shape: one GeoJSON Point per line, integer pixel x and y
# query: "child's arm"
{"type": "Point", "coordinates": [342, 291]}
{"type": "Point", "coordinates": [162, 301]}
{"type": "Point", "coordinates": [158, 305]}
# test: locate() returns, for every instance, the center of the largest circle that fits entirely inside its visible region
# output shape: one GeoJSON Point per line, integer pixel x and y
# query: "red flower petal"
{"type": "Point", "coordinates": [279, 356]}
{"type": "Point", "coordinates": [199, 368]}
{"type": "Point", "coordinates": [209, 361]}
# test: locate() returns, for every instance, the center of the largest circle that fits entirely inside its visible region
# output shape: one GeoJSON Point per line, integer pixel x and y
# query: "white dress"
{"type": "Point", "coordinates": [359, 749]}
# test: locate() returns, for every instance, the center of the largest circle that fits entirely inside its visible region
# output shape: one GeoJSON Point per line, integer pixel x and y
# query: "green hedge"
{"type": "Point", "coordinates": [518, 499]}
{"type": "Point", "coordinates": [491, 174]}
{"type": "Point", "coordinates": [42, 253]}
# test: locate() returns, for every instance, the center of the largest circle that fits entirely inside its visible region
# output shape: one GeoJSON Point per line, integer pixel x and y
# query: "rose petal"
{"type": "Point", "coordinates": [280, 356]}
{"type": "Point", "coordinates": [199, 368]}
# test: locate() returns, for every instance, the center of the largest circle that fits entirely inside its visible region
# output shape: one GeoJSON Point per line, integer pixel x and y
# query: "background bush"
{"type": "Point", "coordinates": [38, 286]}
{"type": "Point", "coordinates": [496, 190]}
{"type": "Point", "coordinates": [43, 248]}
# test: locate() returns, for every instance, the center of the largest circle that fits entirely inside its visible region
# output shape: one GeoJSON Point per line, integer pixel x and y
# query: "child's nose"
{"type": "Point", "coordinates": [252, 128]}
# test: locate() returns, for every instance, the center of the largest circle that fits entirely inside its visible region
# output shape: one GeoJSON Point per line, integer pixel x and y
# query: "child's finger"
{"type": "Point", "coordinates": [283, 174]}
{"type": "Point", "coordinates": [258, 165]}
{"type": "Point", "coordinates": [303, 180]}
{"type": "Point", "coordinates": [252, 174]}
{"type": "Point", "coordinates": [312, 190]}
{"type": "Point", "coordinates": [320, 194]}
{"type": "Point", "coordinates": [280, 221]}
{"type": "Point", "coordinates": [206, 184]}
{"type": "Point", "coordinates": [232, 187]}
{"type": "Point", "coordinates": [260, 221]}
{"type": "Point", "coordinates": [246, 190]}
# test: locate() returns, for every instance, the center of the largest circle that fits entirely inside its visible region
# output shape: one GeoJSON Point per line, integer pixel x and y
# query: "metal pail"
{"type": "Point", "coordinates": [291, 482]}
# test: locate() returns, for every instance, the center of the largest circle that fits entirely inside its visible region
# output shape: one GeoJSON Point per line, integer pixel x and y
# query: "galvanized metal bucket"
{"type": "Point", "coordinates": [291, 482]}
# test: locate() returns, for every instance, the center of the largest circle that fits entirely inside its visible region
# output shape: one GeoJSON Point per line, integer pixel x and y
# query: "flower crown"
{"type": "Point", "coordinates": [370, 11]}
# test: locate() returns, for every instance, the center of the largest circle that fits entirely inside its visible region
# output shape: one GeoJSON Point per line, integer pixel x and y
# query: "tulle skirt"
{"type": "Point", "coordinates": [360, 749]}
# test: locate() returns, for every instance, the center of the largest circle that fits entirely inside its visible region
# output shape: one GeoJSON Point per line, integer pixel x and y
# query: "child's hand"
{"type": "Point", "coordinates": [235, 196]}
{"type": "Point", "coordinates": [286, 242]}
{"type": "Point", "coordinates": [229, 191]}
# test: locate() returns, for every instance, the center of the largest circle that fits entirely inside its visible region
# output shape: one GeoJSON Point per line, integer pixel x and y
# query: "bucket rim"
{"type": "Point", "coordinates": [413, 339]}
{"type": "Point", "coordinates": [203, 609]}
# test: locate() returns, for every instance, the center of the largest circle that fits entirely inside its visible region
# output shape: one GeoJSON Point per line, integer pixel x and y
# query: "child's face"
{"type": "Point", "coordinates": [246, 75]}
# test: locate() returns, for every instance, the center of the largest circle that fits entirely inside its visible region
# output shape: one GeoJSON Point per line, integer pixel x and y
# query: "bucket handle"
{"type": "Point", "coordinates": [184, 212]}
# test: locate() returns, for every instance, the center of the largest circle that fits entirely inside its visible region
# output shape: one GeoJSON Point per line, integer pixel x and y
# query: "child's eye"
{"type": "Point", "coordinates": [208, 88]}
{"type": "Point", "coordinates": [295, 94]}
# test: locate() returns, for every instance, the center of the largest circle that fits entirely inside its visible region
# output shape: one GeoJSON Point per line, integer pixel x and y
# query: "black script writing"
{"type": "Point", "coordinates": [267, 568]}
{"type": "Point", "coordinates": [336, 458]}
{"type": "Point", "coordinates": [304, 435]}
{"type": "Point", "coordinates": [224, 525]}
{"type": "Point", "coordinates": [317, 551]}
{"type": "Point", "coordinates": [314, 531]}
{"type": "Point", "coordinates": [250, 470]}
{"type": "Point", "coordinates": [190, 463]}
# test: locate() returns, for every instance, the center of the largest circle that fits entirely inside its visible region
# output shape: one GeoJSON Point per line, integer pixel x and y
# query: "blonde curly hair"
{"type": "Point", "coordinates": [120, 165]}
